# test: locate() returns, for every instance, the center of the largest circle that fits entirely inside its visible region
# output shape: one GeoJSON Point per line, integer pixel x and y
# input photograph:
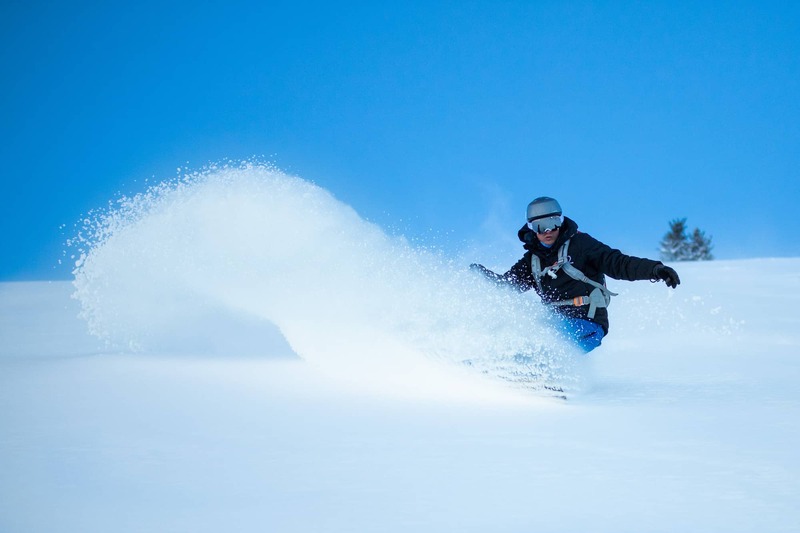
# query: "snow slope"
{"type": "Point", "coordinates": [212, 397]}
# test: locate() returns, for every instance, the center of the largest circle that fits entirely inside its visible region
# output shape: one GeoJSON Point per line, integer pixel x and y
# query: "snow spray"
{"type": "Point", "coordinates": [249, 241]}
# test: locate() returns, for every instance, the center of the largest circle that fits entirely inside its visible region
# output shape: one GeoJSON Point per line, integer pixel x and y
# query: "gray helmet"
{"type": "Point", "coordinates": [544, 214]}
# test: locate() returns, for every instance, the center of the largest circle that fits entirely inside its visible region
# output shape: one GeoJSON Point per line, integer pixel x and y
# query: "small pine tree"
{"type": "Point", "coordinates": [700, 246]}
{"type": "Point", "coordinates": [673, 245]}
{"type": "Point", "coordinates": [678, 246]}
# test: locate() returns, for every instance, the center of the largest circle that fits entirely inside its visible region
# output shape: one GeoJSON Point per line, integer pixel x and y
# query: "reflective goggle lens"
{"type": "Point", "coordinates": [543, 225]}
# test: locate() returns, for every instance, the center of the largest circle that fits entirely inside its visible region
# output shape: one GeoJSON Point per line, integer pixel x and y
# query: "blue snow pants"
{"type": "Point", "coordinates": [586, 334]}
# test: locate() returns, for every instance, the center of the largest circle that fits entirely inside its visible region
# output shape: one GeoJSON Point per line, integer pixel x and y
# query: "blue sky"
{"type": "Point", "coordinates": [438, 119]}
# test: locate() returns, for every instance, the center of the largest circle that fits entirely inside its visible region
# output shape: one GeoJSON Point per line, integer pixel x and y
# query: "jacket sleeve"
{"type": "Point", "coordinates": [519, 275]}
{"type": "Point", "coordinates": [617, 265]}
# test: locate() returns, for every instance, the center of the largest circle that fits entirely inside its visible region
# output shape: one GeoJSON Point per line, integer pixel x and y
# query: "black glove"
{"type": "Point", "coordinates": [488, 274]}
{"type": "Point", "coordinates": [666, 273]}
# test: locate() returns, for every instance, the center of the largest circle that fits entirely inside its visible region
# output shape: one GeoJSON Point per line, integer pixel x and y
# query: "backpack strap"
{"type": "Point", "coordinates": [600, 295]}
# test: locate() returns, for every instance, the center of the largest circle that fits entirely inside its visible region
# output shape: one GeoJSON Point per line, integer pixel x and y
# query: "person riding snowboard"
{"type": "Point", "coordinates": [567, 269]}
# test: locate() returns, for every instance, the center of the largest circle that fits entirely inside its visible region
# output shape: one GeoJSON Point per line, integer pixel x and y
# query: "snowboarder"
{"type": "Point", "coordinates": [567, 268]}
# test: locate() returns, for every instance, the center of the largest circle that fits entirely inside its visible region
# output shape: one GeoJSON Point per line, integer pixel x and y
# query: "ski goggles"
{"type": "Point", "coordinates": [545, 224]}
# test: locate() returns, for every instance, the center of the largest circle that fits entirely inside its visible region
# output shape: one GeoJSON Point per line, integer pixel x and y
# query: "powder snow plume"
{"type": "Point", "coordinates": [249, 242]}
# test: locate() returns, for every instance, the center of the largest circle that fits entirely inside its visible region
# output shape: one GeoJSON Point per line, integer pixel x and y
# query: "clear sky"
{"type": "Point", "coordinates": [432, 118]}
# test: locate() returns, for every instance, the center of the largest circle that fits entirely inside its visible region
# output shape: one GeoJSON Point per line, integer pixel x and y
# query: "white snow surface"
{"type": "Point", "coordinates": [240, 351]}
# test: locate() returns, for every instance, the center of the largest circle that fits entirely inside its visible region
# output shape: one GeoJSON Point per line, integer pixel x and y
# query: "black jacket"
{"type": "Point", "coordinates": [588, 255]}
